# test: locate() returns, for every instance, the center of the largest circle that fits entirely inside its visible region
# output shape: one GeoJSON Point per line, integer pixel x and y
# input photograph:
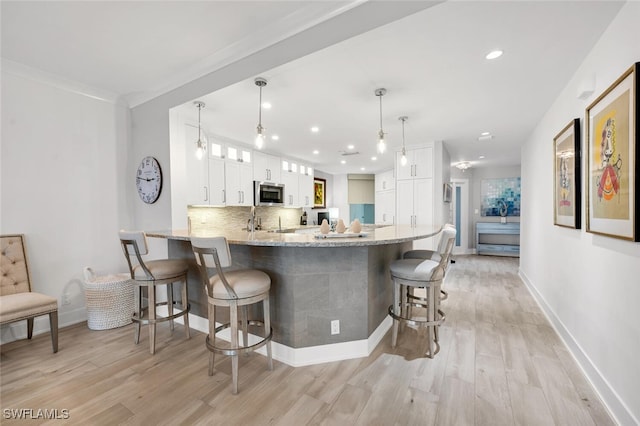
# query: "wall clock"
{"type": "Point", "coordinates": [149, 180]}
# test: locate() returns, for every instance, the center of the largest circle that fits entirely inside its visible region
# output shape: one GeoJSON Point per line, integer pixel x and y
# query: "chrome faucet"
{"type": "Point", "coordinates": [251, 222]}
{"type": "Point", "coordinates": [279, 224]}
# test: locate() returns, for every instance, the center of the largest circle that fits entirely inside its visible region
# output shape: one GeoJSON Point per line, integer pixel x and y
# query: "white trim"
{"type": "Point", "coordinates": [269, 35]}
{"type": "Point", "coordinates": [59, 82]}
{"type": "Point", "coordinates": [299, 357]}
{"type": "Point", "coordinates": [610, 398]}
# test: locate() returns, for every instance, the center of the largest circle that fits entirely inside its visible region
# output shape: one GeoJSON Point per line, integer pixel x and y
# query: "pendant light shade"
{"type": "Point", "coordinates": [382, 146]}
{"type": "Point", "coordinates": [201, 146]}
{"type": "Point", "coordinates": [403, 159]}
{"type": "Point", "coordinates": [260, 82]}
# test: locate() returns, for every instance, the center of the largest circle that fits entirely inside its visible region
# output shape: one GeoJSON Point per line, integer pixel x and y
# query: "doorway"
{"type": "Point", "coordinates": [460, 214]}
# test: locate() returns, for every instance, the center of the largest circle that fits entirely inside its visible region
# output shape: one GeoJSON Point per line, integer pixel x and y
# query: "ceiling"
{"type": "Point", "coordinates": [432, 64]}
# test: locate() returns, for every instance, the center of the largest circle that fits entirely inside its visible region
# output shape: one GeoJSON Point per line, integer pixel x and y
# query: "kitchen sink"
{"type": "Point", "coordinates": [283, 230]}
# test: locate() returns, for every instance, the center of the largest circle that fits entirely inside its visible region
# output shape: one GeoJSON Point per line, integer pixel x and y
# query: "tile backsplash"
{"type": "Point", "coordinates": [236, 217]}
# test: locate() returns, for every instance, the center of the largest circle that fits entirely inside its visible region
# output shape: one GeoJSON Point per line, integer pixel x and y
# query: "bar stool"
{"type": "Point", "coordinates": [409, 274]}
{"type": "Point", "coordinates": [435, 255]}
{"type": "Point", "coordinates": [232, 289]}
{"type": "Point", "coordinates": [149, 275]}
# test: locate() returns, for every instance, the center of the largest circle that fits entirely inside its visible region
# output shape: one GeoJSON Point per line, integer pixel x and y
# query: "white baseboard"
{"type": "Point", "coordinates": [612, 401]}
{"type": "Point", "coordinates": [298, 357]}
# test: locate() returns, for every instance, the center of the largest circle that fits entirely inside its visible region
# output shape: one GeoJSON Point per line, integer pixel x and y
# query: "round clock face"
{"type": "Point", "coordinates": [149, 180]}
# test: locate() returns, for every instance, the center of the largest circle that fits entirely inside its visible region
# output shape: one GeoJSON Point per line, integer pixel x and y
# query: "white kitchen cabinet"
{"type": "Point", "coordinates": [298, 184]}
{"type": "Point", "coordinates": [238, 184]}
{"type": "Point", "coordinates": [291, 188]}
{"type": "Point", "coordinates": [305, 186]}
{"type": "Point", "coordinates": [266, 167]}
{"type": "Point", "coordinates": [419, 164]}
{"type": "Point", "coordinates": [217, 185]}
{"type": "Point", "coordinates": [385, 207]}
{"type": "Point", "coordinates": [197, 171]}
{"type": "Point", "coordinates": [414, 202]}
{"type": "Point", "coordinates": [385, 181]}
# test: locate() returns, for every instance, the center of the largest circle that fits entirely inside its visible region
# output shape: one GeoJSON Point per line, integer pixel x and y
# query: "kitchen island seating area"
{"type": "Point", "coordinates": [148, 275]}
{"type": "Point", "coordinates": [410, 274]}
{"type": "Point", "coordinates": [236, 290]}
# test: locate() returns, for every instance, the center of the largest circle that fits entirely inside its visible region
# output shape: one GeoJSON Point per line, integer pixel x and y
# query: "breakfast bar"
{"type": "Point", "coordinates": [314, 281]}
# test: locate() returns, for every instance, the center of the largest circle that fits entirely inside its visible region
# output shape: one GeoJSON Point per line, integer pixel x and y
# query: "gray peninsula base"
{"type": "Point", "coordinates": [310, 287]}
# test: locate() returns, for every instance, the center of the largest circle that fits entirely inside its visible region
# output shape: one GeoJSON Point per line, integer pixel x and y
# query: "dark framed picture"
{"type": "Point", "coordinates": [612, 159]}
{"type": "Point", "coordinates": [447, 192]}
{"type": "Point", "coordinates": [319, 193]}
{"type": "Point", "coordinates": [566, 176]}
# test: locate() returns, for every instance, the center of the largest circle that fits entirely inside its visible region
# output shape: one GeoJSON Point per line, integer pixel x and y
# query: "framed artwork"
{"type": "Point", "coordinates": [319, 193]}
{"type": "Point", "coordinates": [612, 159]}
{"type": "Point", "coordinates": [500, 197]}
{"type": "Point", "coordinates": [566, 176]}
{"type": "Point", "coordinates": [446, 192]}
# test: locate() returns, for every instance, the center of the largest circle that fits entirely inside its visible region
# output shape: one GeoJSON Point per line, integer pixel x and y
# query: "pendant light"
{"type": "Point", "coordinates": [260, 82]}
{"type": "Point", "coordinates": [201, 146]}
{"type": "Point", "coordinates": [382, 146]}
{"type": "Point", "coordinates": [403, 159]}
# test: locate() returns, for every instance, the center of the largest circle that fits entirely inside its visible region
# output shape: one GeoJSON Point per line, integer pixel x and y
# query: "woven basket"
{"type": "Point", "coordinates": [109, 300]}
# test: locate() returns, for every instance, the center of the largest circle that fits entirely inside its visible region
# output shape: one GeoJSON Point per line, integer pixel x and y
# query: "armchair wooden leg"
{"type": "Point", "coordinates": [53, 323]}
{"type": "Point", "coordinates": [29, 328]}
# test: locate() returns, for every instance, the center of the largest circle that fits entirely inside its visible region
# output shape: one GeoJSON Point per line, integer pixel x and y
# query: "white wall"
{"type": "Point", "coordinates": [588, 284]}
{"type": "Point", "coordinates": [63, 156]}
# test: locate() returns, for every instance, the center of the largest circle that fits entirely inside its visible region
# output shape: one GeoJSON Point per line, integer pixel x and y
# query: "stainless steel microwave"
{"type": "Point", "coordinates": [268, 194]}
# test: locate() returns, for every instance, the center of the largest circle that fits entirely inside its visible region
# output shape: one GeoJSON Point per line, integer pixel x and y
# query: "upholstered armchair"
{"type": "Point", "coordinates": [17, 301]}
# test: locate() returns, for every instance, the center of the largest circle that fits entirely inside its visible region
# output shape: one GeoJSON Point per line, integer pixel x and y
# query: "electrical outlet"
{"type": "Point", "coordinates": [66, 300]}
{"type": "Point", "coordinates": [335, 327]}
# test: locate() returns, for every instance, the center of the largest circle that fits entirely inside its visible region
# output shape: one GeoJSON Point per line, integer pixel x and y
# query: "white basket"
{"type": "Point", "coordinates": [109, 300]}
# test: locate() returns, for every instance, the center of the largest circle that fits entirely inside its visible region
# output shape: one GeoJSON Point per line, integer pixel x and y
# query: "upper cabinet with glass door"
{"type": "Point", "coordinates": [238, 176]}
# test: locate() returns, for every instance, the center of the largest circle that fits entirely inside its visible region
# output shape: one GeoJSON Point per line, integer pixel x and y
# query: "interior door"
{"type": "Point", "coordinates": [460, 214]}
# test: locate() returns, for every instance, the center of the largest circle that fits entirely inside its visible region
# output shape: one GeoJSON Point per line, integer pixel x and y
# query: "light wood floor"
{"type": "Point", "coordinates": [500, 363]}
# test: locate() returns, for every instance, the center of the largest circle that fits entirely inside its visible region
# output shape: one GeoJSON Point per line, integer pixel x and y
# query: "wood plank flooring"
{"type": "Point", "coordinates": [501, 363]}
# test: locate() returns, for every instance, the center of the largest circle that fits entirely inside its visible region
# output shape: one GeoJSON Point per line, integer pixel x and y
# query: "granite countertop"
{"type": "Point", "coordinates": [374, 236]}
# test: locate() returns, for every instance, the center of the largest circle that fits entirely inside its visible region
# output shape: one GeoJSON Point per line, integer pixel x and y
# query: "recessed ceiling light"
{"type": "Point", "coordinates": [494, 54]}
{"type": "Point", "coordinates": [275, 137]}
{"type": "Point", "coordinates": [374, 158]}
{"type": "Point", "coordinates": [350, 146]}
{"type": "Point", "coordinates": [362, 168]}
{"type": "Point", "coordinates": [481, 157]}
{"type": "Point", "coordinates": [485, 133]}
{"type": "Point", "coordinates": [315, 129]}
{"type": "Point", "coordinates": [266, 105]}
{"type": "Point", "coordinates": [343, 161]}
{"type": "Point", "coordinates": [316, 152]}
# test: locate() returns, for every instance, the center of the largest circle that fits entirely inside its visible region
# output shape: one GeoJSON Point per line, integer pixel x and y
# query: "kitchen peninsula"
{"type": "Point", "coordinates": [313, 282]}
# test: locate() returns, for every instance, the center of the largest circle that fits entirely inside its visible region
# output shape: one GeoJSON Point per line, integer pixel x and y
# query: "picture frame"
{"type": "Point", "coordinates": [612, 159]}
{"type": "Point", "coordinates": [319, 193]}
{"type": "Point", "coordinates": [567, 176]}
{"type": "Point", "coordinates": [447, 191]}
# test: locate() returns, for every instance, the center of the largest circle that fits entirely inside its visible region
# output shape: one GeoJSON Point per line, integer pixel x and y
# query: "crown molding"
{"type": "Point", "coordinates": [62, 83]}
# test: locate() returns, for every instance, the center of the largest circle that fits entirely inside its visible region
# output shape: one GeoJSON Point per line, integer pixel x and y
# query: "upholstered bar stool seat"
{"type": "Point", "coordinates": [148, 275]}
{"type": "Point", "coordinates": [448, 231]}
{"type": "Point", "coordinates": [232, 289]}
